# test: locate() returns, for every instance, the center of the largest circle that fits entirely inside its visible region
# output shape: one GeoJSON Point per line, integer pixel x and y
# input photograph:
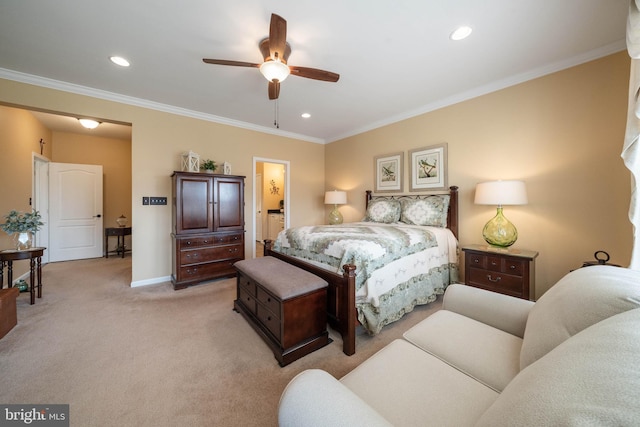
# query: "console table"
{"type": "Point", "coordinates": [120, 232]}
{"type": "Point", "coordinates": [34, 255]}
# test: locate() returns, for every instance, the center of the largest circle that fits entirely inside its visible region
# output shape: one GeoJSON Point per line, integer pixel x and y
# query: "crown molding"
{"type": "Point", "coordinates": [143, 103]}
{"type": "Point", "coordinates": [491, 87]}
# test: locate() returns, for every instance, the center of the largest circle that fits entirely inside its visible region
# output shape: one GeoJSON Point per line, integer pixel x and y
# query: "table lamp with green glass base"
{"type": "Point", "coordinates": [335, 198]}
{"type": "Point", "coordinates": [499, 231]}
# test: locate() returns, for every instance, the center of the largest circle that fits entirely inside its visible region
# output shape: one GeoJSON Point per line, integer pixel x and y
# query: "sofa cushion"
{"type": "Point", "coordinates": [487, 354]}
{"type": "Point", "coordinates": [410, 387]}
{"type": "Point", "coordinates": [579, 300]}
{"type": "Point", "coordinates": [590, 379]}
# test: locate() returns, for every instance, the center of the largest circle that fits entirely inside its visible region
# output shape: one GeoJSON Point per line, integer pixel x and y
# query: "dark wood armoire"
{"type": "Point", "coordinates": [208, 226]}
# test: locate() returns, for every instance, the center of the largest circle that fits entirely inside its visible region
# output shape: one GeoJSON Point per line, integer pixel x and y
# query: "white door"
{"type": "Point", "coordinates": [75, 211]}
{"type": "Point", "coordinates": [259, 207]}
{"type": "Point", "coordinates": [41, 201]}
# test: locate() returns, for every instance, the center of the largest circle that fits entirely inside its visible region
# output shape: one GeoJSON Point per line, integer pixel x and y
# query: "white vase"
{"type": "Point", "coordinates": [23, 240]}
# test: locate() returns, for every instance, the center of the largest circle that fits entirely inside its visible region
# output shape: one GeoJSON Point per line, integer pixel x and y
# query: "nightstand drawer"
{"type": "Point", "coordinates": [515, 267]}
{"type": "Point", "coordinates": [495, 281]}
{"type": "Point", "coordinates": [476, 260]}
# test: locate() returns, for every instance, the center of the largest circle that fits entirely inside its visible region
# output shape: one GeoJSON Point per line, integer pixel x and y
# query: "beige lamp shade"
{"type": "Point", "coordinates": [501, 193]}
{"type": "Point", "coordinates": [335, 197]}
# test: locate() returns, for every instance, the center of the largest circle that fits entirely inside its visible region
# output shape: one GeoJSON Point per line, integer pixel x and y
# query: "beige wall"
{"type": "Point", "coordinates": [115, 157]}
{"type": "Point", "coordinates": [561, 133]}
{"type": "Point", "coordinates": [158, 140]}
{"type": "Point", "coordinates": [19, 138]}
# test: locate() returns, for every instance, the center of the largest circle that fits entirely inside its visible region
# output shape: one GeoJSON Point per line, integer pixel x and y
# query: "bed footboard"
{"type": "Point", "coordinates": [341, 296]}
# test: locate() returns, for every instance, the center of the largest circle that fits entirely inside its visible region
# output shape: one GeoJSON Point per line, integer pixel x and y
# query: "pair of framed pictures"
{"type": "Point", "coordinates": [427, 168]}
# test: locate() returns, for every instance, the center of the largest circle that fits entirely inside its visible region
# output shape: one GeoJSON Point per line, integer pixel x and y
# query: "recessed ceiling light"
{"type": "Point", "coordinates": [305, 115]}
{"type": "Point", "coordinates": [118, 60]}
{"type": "Point", "coordinates": [460, 33]}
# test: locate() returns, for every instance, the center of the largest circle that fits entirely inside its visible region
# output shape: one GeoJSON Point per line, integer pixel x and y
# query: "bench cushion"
{"type": "Point", "coordinates": [284, 280]}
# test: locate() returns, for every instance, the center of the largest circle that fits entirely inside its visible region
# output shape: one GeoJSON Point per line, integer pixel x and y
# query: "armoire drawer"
{"type": "Point", "coordinates": [206, 271]}
{"type": "Point", "coordinates": [194, 256]}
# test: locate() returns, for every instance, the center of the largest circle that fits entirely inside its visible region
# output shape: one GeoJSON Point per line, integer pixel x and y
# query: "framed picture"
{"type": "Point", "coordinates": [226, 168]}
{"type": "Point", "coordinates": [428, 168]}
{"type": "Point", "coordinates": [388, 173]}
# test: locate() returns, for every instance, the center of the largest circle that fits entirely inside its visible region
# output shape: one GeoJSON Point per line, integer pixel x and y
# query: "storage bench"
{"type": "Point", "coordinates": [286, 306]}
{"type": "Point", "coordinates": [8, 314]}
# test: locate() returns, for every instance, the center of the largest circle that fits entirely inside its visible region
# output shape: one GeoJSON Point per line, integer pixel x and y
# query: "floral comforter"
{"type": "Point", "coordinates": [398, 266]}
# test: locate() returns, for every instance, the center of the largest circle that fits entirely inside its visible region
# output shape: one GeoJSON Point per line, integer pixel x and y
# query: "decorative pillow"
{"type": "Point", "coordinates": [580, 299]}
{"type": "Point", "coordinates": [386, 211]}
{"type": "Point", "coordinates": [429, 211]}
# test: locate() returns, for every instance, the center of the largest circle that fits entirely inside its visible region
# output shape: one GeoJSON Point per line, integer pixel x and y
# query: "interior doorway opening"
{"type": "Point", "coordinates": [270, 200]}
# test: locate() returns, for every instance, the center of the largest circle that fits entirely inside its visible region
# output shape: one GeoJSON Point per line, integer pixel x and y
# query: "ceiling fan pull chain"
{"type": "Point", "coordinates": [276, 118]}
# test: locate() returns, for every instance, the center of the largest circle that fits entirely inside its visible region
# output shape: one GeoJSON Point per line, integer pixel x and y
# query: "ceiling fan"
{"type": "Point", "coordinates": [275, 51]}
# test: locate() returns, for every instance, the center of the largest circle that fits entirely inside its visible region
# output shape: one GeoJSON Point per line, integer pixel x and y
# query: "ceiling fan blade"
{"type": "Point", "coordinates": [314, 73]}
{"type": "Point", "coordinates": [274, 89]}
{"type": "Point", "coordinates": [277, 36]}
{"type": "Point", "coordinates": [233, 63]}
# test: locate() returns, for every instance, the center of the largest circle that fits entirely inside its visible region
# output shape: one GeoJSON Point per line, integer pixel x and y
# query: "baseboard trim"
{"type": "Point", "coordinates": [153, 281]}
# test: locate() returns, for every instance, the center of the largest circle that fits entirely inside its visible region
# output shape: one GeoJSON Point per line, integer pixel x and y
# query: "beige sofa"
{"type": "Point", "coordinates": [485, 359]}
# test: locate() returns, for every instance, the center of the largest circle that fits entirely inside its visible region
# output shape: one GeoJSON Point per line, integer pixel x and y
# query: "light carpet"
{"type": "Point", "coordinates": [152, 356]}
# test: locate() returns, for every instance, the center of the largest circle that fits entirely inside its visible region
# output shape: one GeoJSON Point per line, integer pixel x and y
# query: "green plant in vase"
{"type": "Point", "coordinates": [22, 226]}
{"type": "Point", "coordinates": [208, 165]}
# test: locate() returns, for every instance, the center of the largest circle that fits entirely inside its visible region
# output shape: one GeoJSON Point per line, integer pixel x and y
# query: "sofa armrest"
{"type": "Point", "coordinates": [500, 311]}
{"type": "Point", "coordinates": [315, 398]}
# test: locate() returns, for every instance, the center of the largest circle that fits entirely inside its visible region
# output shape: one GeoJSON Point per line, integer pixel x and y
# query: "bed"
{"type": "Point", "coordinates": [402, 254]}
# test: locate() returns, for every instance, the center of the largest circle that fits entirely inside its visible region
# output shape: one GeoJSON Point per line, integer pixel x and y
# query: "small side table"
{"type": "Point", "coordinates": [507, 271]}
{"type": "Point", "coordinates": [34, 255]}
{"type": "Point", "coordinates": [116, 231]}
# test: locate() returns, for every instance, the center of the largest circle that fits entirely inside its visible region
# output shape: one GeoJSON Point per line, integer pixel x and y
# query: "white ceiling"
{"type": "Point", "coordinates": [394, 58]}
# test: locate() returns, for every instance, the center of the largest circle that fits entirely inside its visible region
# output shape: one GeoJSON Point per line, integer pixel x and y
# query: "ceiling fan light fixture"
{"type": "Point", "coordinates": [88, 123]}
{"type": "Point", "coordinates": [274, 70]}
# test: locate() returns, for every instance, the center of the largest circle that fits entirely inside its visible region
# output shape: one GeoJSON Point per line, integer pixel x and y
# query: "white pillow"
{"type": "Point", "coordinates": [428, 211]}
{"type": "Point", "coordinates": [386, 211]}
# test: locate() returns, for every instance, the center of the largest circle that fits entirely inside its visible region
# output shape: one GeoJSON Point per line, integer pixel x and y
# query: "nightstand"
{"type": "Point", "coordinates": [507, 271]}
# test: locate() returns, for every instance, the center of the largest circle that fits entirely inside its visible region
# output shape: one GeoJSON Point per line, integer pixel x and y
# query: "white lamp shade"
{"type": "Point", "coordinates": [335, 197]}
{"type": "Point", "coordinates": [501, 193]}
{"type": "Point", "coordinates": [274, 70]}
